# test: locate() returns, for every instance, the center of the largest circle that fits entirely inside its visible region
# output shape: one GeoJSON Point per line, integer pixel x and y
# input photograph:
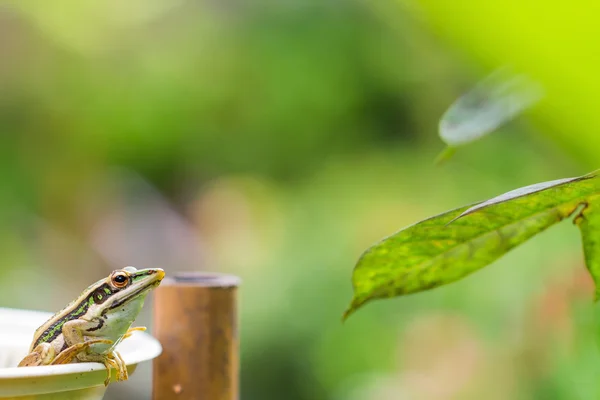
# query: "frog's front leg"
{"type": "Point", "coordinates": [120, 366]}
{"type": "Point", "coordinates": [131, 330]}
{"type": "Point", "coordinates": [73, 331]}
{"type": "Point", "coordinates": [43, 354]}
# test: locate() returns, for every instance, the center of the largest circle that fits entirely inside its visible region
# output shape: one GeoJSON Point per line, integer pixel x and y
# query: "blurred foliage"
{"type": "Point", "coordinates": [276, 140]}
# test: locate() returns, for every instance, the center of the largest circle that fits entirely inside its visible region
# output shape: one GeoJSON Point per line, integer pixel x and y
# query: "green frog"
{"type": "Point", "coordinates": [92, 325]}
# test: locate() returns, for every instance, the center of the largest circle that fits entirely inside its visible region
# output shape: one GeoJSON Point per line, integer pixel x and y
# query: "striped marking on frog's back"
{"type": "Point", "coordinates": [52, 328]}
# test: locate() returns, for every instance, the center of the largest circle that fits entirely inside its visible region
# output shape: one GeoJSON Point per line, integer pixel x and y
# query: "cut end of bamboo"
{"type": "Point", "coordinates": [202, 279]}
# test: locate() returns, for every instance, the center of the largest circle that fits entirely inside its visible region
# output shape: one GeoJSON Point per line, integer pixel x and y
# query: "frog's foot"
{"type": "Point", "coordinates": [108, 364]}
{"type": "Point", "coordinates": [110, 360]}
{"type": "Point", "coordinates": [122, 374]}
{"type": "Point", "coordinates": [114, 360]}
{"type": "Point", "coordinates": [131, 330]}
{"type": "Point", "coordinates": [43, 354]}
{"type": "Point", "coordinates": [104, 359]}
{"type": "Point", "coordinates": [67, 355]}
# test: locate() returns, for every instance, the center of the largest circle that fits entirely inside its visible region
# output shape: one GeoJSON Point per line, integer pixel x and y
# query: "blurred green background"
{"type": "Point", "coordinates": [276, 141]}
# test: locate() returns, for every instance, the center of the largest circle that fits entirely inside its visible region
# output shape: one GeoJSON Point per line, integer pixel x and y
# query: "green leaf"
{"type": "Point", "coordinates": [449, 246]}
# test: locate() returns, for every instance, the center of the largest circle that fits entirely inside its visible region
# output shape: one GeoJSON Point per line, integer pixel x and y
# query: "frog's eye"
{"type": "Point", "coordinates": [120, 279]}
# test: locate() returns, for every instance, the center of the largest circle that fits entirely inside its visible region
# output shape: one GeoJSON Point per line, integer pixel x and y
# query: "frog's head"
{"type": "Point", "coordinates": [124, 290]}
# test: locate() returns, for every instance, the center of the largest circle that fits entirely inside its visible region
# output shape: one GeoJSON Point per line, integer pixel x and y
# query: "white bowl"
{"type": "Point", "coordinates": [82, 381]}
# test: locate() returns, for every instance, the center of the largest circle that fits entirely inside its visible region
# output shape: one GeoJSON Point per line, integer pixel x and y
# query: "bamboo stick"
{"type": "Point", "coordinates": [195, 320]}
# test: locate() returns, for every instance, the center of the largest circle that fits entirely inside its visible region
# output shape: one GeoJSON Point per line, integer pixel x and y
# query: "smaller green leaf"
{"type": "Point", "coordinates": [449, 246]}
{"type": "Point", "coordinates": [492, 102]}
